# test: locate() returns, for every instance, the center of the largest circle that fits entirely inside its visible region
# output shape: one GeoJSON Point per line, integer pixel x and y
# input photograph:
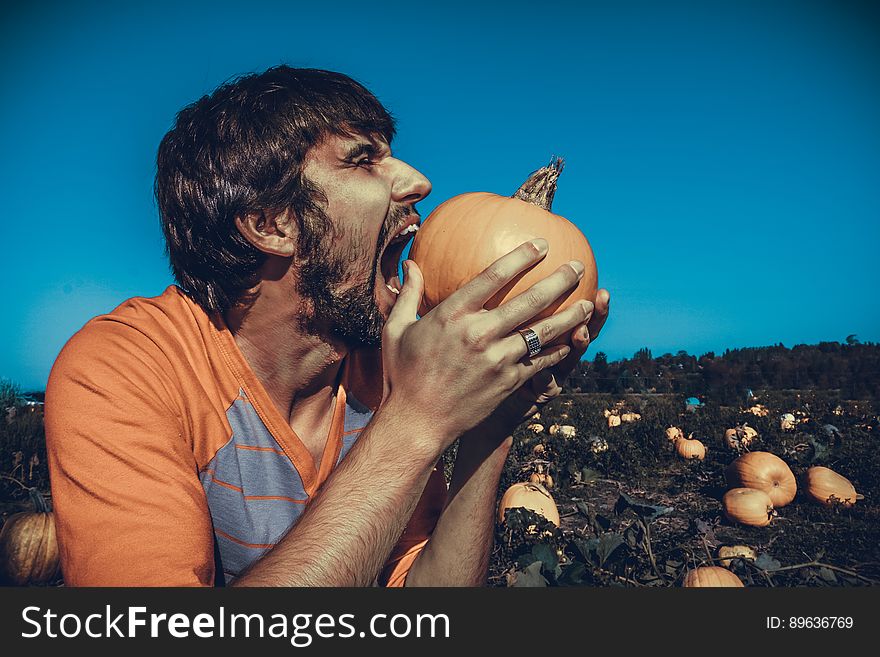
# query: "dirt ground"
{"type": "Point", "coordinates": [637, 514]}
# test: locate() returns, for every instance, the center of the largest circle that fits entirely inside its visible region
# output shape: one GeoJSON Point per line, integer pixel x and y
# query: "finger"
{"type": "Point", "coordinates": [506, 317]}
{"type": "Point", "coordinates": [474, 294]}
{"type": "Point", "coordinates": [529, 367]}
{"type": "Point", "coordinates": [600, 314]}
{"type": "Point", "coordinates": [406, 307]}
{"type": "Point", "coordinates": [548, 329]}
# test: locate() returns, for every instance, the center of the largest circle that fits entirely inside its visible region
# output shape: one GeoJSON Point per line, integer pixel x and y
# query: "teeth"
{"type": "Point", "coordinates": [413, 228]}
{"type": "Point", "coordinates": [393, 289]}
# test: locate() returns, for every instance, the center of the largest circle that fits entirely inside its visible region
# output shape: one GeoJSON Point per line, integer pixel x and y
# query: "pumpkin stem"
{"type": "Point", "coordinates": [39, 502]}
{"type": "Point", "coordinates": [540, 187]}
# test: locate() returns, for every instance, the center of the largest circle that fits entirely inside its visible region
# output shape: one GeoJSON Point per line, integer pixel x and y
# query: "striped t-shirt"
{"type": "Point", "coordinates": [169, 463]}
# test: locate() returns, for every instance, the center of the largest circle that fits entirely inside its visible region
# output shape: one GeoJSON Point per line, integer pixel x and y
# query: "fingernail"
{"type": "Point", "coordinates": [405, 266]}
{"type": "Point", "coordinates": [587, 306]}
{"type": "Point", "coordinates": [578, 267]}
{"type": "Point", "coordinates": [542, 245]}
{"type": "Point", "coordinates": [584, 332]}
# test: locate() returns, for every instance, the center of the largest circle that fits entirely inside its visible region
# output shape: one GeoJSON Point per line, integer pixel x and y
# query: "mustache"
{"type": "Point", "coordinates": [395, 221]}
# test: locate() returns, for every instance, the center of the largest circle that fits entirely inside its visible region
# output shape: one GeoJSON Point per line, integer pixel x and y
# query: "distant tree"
{"type": "Point", "coordinates": [852, 339]}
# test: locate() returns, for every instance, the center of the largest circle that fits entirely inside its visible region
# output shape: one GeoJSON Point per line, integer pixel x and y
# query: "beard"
{"type": "Point", "coordinates": [336, 309]}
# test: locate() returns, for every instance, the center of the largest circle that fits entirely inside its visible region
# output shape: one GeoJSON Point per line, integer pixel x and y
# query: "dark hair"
{"type": "Point", "coordinates": [241, 150]}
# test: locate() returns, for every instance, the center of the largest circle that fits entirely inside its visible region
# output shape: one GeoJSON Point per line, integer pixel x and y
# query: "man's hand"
{"type": "Point", "coordinates": [447, 372]}
{"type": "Point", "coordinates": [547, 384]}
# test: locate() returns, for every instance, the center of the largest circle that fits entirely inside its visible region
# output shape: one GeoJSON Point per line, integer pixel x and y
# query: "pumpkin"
{"type": "Point", "coordinates": [531, 496]}
{"type": "Point", "coordinates": [28, 546]}
{"type": "Point", "coordinates": [711, 576]}
{"type": "Point", "coordinates": [787, 422]}
{"type": "Point", "coordinates": [673, 434]}
{"type": "Point", "coordinates": [690, 448]}
{"type": "Point", "coordinates": [534, 427]}
{"type": "Point", "coordinates": [727, 553]}
{"type": "Point", "coordinates": [467, 233]}
{"type": "Point", "coordinates": [763, 471]}
{"type": "Point", "coordinates": [538, 450]}
{"type": "Point", "coordinates": [740, 437]}
{"type": "Point", "coordinates": [630, 417]}
{"type": "Point", "coordinates": [613, 421]}
{"type": "Point", "coordinates": [598, 445]}
{"type": "Point", "coordinates": [748, 506]}
{"type": "Point", "coordinates": [827, 487]}
{"type": "Point", "coordinates": [543, 478]}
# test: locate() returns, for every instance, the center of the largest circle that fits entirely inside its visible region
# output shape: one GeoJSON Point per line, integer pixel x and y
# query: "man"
{"type": "Point", "coordinates": [279, 418]}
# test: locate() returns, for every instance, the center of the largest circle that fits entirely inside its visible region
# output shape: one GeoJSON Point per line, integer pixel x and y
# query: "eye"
{"type": "Point", "coordinates": [365, 162]}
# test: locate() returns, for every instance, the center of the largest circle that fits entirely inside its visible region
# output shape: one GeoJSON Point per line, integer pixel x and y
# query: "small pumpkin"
{"type": "Point", "coordinates": [467, 233]}
{"type": "Point", "coordinates": [727, 553]}
{"type": "Point", "coordinates": [763, 471]}
{"type": "Point", "coordinates": [630, 417]}
{"type": "Point", "coordinates": [748, 506]}
{"type": "Point", "coordinates": [598, 445]}
{"type": "Point", "coordinates": [787, 422]}
{"type": "Point", "coordinates": [711, 576]}
{"type": "Point", "coordinates": [29, 547]}
{"type": "Point", "coordinates": [740, 437]}
{"type": "Point", "coordinates": [534, 427]}
{"type": "Point", "coordinates": [530, 496]}
{"type": "Point", "coordinates": [690, 448]}
{"type": "Point", "coordinates": [539, 450]}
{"type": "Point", "coordinates": [543, 478]}
{"type": "Point", "coordinates": [827, 487]}
{"type": "Point", "coordinates": [613, 421]}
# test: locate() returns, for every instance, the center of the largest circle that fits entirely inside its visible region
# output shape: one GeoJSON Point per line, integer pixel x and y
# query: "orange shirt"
{"type": "Point", "coordinates": [169, 464]}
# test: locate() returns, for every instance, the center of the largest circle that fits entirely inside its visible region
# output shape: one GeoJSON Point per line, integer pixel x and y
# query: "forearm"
{"type": "Point", "coordinates": [459, 549]}
{"type": "Point", "coordinates": [348, 530]}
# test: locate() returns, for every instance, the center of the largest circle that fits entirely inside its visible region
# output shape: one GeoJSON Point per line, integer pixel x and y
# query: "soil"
{"type": "Point", "coordinates": [663, 514]}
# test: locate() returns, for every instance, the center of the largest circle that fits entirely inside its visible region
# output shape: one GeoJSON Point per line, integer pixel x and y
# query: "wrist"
{"type": "Point", "coordinates": [421, 433]}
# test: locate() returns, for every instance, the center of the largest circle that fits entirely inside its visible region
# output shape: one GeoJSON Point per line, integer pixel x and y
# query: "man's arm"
{"type": "Point", "coordinates": [458, 551]}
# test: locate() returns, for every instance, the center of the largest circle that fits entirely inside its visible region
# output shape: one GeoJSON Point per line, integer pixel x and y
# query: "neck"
{"type": "Point", "coordinates": [297, 370]}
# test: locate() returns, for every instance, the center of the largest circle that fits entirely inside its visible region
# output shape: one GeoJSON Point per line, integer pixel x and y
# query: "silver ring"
{"type": "Point", "coordinates": [533, 342]}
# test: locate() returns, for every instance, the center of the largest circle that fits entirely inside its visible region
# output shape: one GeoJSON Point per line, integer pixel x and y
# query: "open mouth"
{"type": "Point", "coordinates": [391, 257]}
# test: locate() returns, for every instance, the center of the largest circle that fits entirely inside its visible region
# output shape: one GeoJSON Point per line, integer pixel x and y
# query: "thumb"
{"type": "Point", "coordinates": [407, 305]}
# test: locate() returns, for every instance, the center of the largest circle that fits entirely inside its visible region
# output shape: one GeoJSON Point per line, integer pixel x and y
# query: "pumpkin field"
{"type": "Point", "coordinates": [639, 507]}
{"type": "Point", "coordinates": [636, 505]}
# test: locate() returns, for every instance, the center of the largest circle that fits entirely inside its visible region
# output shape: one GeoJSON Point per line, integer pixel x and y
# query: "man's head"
{"type": "Point", "coordinates": [263, 149]}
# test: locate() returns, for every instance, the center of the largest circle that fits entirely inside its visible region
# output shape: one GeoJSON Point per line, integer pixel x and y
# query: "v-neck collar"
{"type": "Point", "coordinates": [312, 474]}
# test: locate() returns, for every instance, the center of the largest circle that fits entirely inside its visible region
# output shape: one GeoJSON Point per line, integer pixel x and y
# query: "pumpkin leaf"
{"type": "Point", "coordinates": [530, 577]}
{"type": "Point", "coordinates": [573, 574]}
{"type": "Point", "coordinates": [589, 474]}
{"type": "Point", "coordinates": [645, 511]}
{"type": "Point", "coordinates": [607, 544]}
{"type": "Point", "coordinates": [766, 562]}
{"type": "Point", "coordinates": [546, 555]}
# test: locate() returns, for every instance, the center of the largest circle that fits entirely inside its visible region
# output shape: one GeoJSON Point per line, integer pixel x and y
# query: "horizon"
{"type": "Point", "coordinates": [723, 159]}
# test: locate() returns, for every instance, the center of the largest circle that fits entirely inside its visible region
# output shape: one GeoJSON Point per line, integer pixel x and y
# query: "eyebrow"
{"type": "Point", "coordinates": [362, 148]}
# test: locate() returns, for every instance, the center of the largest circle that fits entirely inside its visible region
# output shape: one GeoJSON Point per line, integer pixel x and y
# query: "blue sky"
{"type": "Point", "coordinates": [723, 158]}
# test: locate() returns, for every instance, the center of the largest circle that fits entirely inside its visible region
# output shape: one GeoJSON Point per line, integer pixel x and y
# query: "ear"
{"type": "Point", "coordinates": [269, 231]}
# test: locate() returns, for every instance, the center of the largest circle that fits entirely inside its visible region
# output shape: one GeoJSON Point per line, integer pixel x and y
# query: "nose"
{"type": "Point", "coordinates": [410, 186]}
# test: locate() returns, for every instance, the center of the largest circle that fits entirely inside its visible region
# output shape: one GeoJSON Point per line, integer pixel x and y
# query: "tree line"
{"type": "Point", "coordinates": [851, 368]}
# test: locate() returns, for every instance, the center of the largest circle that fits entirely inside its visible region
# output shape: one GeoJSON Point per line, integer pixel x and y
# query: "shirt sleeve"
{"type": "Point", "coordinates": [129, 507]}
{"type": "Point", "coordinates": [418, 531]}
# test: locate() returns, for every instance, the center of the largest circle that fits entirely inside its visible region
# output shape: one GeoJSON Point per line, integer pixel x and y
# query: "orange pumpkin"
{"type": "Point", "coordinates": [690, 448]}
{"type": "Point", "coordinates": [748, 506]}
{"type": "Point", "coordinates": [764, 471]}
{"type": "Point", "coordinates": [28, 546]}
{"type": "Point", "coordinates": [530, 496]}
{"type": "Point", "coordinates": [711, 576]}
{"type": "Point", "coordinates": [727, 553]}
{"type": "Point", "coordinates": [467, 233]}
{"type": "Point", "coordinates": [827, 487]}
